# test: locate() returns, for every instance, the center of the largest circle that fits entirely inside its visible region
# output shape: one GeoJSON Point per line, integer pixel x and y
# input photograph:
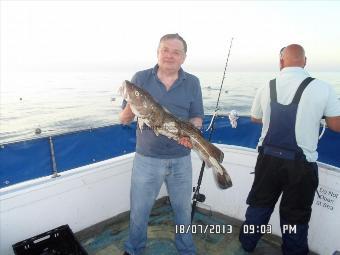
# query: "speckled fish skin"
{"type": "Point", "coordinates": [162, 122]}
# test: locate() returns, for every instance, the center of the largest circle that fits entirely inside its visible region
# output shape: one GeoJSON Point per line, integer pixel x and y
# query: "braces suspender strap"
{"type": "Point", "coordinates": [273, 95]}
{"type": "Point", "coordinates": [301, 88]}
{"type": "Point", "coordinates": [298, 94]}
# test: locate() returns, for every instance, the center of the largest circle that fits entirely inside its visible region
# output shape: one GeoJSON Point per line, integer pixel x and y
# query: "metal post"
{"type": "Point", "coordinates": [54, 164]}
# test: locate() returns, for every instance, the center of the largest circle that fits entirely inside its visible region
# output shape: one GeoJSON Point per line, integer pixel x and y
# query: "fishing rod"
{"type": "Point", "coordinates": [198, 197]}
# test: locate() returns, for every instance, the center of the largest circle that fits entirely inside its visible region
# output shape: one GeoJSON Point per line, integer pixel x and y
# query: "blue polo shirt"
{"type": "Point", "coordinates": [184, 100]}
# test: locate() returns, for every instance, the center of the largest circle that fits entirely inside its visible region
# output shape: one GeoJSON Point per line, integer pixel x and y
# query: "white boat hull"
{"type": "Point", "coordinates": [88, 195]}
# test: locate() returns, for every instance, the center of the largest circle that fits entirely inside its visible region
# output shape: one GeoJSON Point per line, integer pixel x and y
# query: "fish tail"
{"type": "Point", "coordinates": [221, 176]}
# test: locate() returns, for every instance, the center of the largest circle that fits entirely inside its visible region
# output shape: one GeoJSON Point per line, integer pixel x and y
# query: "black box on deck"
{"type": "Point", "coordinates": [58, 241]}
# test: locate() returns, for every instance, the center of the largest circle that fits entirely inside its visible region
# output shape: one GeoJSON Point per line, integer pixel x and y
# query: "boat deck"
{"type": "Point", "coordinates": [108, 237]}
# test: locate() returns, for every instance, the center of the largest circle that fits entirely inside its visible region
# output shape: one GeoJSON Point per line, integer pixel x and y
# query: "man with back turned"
{"type": "Point", "coordinates": [290, 108]}
{"type": "Point", "coordinates": [159, 159]}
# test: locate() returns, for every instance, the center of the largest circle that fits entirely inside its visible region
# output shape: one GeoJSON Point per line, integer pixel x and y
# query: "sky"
{"type": "Point", "coordinates": [110, 36]}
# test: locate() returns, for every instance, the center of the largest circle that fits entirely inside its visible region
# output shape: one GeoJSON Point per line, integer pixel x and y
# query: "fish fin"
{"type": "Point", "coordinates": [208, 164]}
{"type": "Point", "coordinates": [140, 123]}
{"type": "Point", "coordinates": [166, 110]}
{"type": "Point", "coordinates": [221, 177]}
{"type": "Point", "coordinates": [215, 152]}
{"type": "Point", "coordinates": [156, 131]}
{"type": "Point", "coordinates": [202, 157]}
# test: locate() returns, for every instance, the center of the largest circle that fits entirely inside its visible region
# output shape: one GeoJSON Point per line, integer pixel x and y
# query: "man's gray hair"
{"type": "Point", "coordinates": [174, 36]}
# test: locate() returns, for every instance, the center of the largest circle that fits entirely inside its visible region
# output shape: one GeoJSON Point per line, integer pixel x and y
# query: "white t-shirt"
{"type": "Point", "coordinates": [318, 99]}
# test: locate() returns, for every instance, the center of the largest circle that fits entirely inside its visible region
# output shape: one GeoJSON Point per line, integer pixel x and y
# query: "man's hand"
{"type": "Point", "coordinates": [185, 141]}
{"type": "Point", "coordinates": [197, 121]}
{"type": "Point", "coordinates": [333, 123]}
{"type": "Point", "coordinates": [255, 120]}
{"type": "Point", "coordinates": [126, 115]}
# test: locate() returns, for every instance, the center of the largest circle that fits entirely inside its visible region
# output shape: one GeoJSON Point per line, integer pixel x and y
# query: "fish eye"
{"type": "Point", "coordinates": [136, 93]}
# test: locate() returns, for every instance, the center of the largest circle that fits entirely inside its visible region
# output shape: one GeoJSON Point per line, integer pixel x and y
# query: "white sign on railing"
{"type": "Point", "coordinates": [327, 198]}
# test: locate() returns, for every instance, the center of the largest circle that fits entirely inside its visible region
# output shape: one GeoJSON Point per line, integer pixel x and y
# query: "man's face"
{"type": "Point", "coordinates": [171, 54]}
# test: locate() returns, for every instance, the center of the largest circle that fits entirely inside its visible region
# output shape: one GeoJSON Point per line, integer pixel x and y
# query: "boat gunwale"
{"type": "Point", "coordinates": [86, 169]}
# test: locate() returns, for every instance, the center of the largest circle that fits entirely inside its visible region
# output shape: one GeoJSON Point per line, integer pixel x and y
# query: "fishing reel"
{"type": "Point", "coordinates": [198, 196]}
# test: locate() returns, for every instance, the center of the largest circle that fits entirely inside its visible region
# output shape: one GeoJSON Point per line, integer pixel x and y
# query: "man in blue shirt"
{"type": "Point", "coordinates": [159, 159]}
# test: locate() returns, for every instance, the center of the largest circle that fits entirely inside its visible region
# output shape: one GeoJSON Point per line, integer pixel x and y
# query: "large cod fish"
{"type": "Point", "coordinates": [162, 122]}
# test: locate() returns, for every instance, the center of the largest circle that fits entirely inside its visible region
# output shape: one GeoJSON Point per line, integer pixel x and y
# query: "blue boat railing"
{"type": "Point", "coordinates": [47, 156]}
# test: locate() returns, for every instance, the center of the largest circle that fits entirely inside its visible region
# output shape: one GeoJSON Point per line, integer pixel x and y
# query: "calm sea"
{"type": "Point", "coordinates": [61, 102]}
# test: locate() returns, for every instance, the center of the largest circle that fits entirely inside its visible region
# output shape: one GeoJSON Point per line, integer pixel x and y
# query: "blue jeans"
{"type": "Point", "coordinates": [148, 175]}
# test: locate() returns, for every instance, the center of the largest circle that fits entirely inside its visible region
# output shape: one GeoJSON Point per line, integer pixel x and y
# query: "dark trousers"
{"type": "Point", "coordinates": [297, 181]}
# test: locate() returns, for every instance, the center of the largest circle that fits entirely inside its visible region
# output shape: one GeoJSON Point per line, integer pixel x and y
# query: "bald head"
{"type": "Point", "coordinates": [293, 56]}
